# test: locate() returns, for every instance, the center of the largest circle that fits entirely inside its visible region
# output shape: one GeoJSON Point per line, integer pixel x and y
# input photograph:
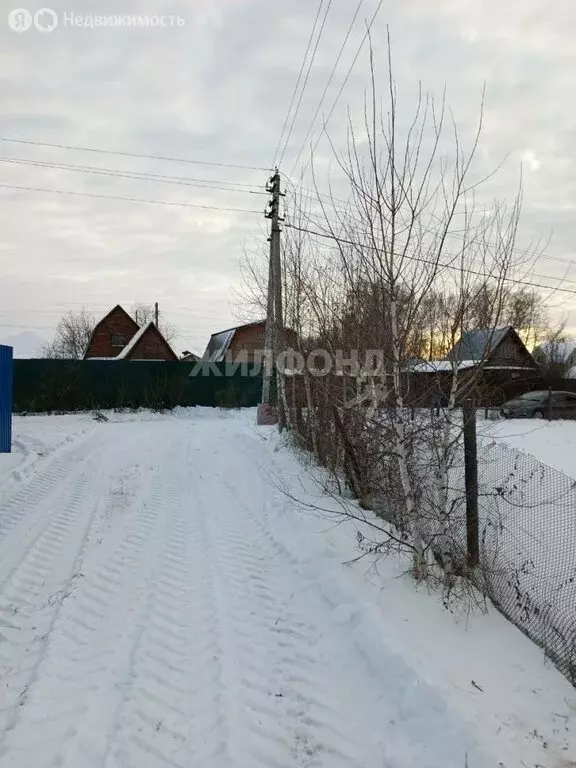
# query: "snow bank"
{"type": "Point", "coordinates": [553, 443]}
{"type": "Point", "coordinates": [486, 670]}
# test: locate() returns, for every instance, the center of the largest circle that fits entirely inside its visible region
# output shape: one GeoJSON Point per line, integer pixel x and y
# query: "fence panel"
{"type": "Point", "coordinates": [5, 399]}
{"type": "Point", "coordinates": [527, 516]}
{"type": "Point", "coordinates": [72, 385]}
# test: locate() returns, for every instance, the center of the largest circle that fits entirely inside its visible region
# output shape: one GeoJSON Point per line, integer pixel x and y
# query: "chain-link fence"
{"type": "Point", "coordinates": [511, 528]}
{"type": "Point", "coordinates": [527, 529]}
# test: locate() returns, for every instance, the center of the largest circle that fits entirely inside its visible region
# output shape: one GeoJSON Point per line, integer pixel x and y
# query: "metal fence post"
{"type": "Point", "coordinates": [471, 482]}
{"type": "Point", "coordinates": [6, 368]}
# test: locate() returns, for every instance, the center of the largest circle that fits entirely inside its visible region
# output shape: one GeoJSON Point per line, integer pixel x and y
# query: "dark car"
{"type": "Point", "coordinates": [537, 405]}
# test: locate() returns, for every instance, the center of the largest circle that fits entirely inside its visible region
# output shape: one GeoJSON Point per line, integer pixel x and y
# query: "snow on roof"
{"type": "Point", "coordinates": [129, 347]}
{"type": "Point", "coordinates": [133, 341]}
{"type": "Point", "coordinates": [558, 351]}
{"type": "Point", "coordinates": [440, 366]}
{"type": "Point", "coordinates": [437, 366]}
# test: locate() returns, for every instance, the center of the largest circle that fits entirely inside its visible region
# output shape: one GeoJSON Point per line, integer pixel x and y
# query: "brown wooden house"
{"type": "Point", "coordinates": [497, 348]}
{"type": "Point", "coordinates": [493, 366]}
{"type": "Point", "coordinates": [243, 341]}
{"type": "Point", "coordinates": [118, 337]}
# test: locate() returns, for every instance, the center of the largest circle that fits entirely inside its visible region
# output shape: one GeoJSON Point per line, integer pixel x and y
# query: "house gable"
{"type": "Point", "coordinates": [148, 344]}
{"type": "Point", "coordinates": [248, 339]}
{"type": "Point", "coordinates": [511, 352]}
{"type": "Point", "coordinates": [495, 347]}
{"type": "Point", "coordinates": [242, 342]}
{"type": "Point", "coordinates": [111, 334]}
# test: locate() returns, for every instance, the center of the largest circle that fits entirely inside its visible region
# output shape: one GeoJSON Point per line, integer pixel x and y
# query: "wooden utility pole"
{"type": "Point", "coordinates": [269, 334]}
{"type": "Point", "coordinates": [156, 314]}
{"type": "Point", "coordinates": [274, 335]}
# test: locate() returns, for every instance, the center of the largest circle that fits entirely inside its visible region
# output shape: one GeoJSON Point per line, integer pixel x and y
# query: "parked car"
{"type": "Point", "coordinates": [537, 405]}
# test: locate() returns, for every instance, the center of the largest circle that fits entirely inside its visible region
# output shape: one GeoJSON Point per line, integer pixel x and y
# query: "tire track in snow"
{"type": "Point", "coordinates": [34, 588]}
{"type": "Point", "coordinates": [89, 652]}
{"type": "Point", "coordinates": [285, 718]}
{"type": "Point", "coordinates": [35, 605]}
{"type": "Point", "coordinates": [172, 715]}
{"type": "Point", "coordinates": [34, 497]}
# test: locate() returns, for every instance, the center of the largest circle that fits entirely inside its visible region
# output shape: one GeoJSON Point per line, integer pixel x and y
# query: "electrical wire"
{"type": "Point", "coordinates": [342, 205]}
{"type": "Point", "coordinates": [146, 175]}
{"type": "Point", "coordinates": [128, 199]}
{"type": "Point", "coordinates": [564, 279]}
{"type": "Point", "coordinates": [126, 175]}
{"type": "Point", "coordinates": [337, 99]}
{"type": "Point", "coordinates": [133, 154]}
{"type": "Point", "coordinates": [295, 91]}
{"type": "Point", "coordinates": [430, 261]}
{"type": "Point", "coordinates": [310, 63]}
{"type": "Point", "coordinates": [328, 83]}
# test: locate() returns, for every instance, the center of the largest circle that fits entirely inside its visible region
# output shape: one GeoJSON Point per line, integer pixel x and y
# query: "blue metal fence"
{"type": "Point", "coordinates": [5, 399]}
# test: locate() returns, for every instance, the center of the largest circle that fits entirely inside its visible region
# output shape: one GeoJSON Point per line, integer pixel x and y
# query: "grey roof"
{"type": "Point", "coordinates": [478, 345]}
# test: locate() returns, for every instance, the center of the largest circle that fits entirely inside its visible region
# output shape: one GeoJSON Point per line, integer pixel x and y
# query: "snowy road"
{"type": "Point", "coordinates": [151, 616]}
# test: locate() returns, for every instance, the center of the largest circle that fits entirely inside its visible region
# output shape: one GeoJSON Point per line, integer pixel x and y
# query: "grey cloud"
{"type": "Point", "coordinates": [218, 89]}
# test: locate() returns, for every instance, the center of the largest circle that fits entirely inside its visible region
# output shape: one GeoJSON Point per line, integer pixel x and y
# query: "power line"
{"type": "Point", "coordinates": [310, 63]}
{"type": "Point", "coordinates": [294, 92]}
{"type": "Point", "coordinates": [159, 178]}
{"type": "Point", "coordinates": [146, 176]}
{"type": "Point", "coordinates": [133, 154]}
{"type": "Point", "coordinates": [431, 261]}
{"type": "Point", "coordinates": [328, 83]}
{"type": "Point", "coordinates": [463, 239]}
{"type": "Point", "coordinates": [340, 204]}
{"type": "Point", "coordinates": [128, 199]}
{"type": "Point", "coordinates": [337, 99]}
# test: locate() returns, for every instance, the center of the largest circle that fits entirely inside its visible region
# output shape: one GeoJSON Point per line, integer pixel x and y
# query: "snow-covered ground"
{"type": "Point", "coordinates": [551, 442]}
{"type": "Point", "coordinates": [164, 601]}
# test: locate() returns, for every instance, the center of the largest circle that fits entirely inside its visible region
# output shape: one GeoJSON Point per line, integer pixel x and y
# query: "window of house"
{"type": "Point", "coordinates": [117, 340]}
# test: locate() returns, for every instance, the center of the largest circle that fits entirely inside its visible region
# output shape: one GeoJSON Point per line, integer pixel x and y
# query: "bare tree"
{"type": "Point", "coordinates": [146, 313]}
{"type": "Point", "coordinates": [72, 336]}
{"type": "Point", "coordinates": [557, 354]}
{"type": "Point", "coordinates": [406, 265]}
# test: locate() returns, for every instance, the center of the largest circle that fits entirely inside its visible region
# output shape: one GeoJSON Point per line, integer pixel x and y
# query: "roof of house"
{"type": "Point", "coordinates": [126, 351]}
{"type": "Point", "coordinates": [189, 356]}
{"type": "Point", "coordinates": [557, 351]}
{"type": "Point", "coordinates": [103, 320]}
{"type": "Point", "coordinates": [477, 345]}
{"type": "Point", "coordinates": [439, 366]}
{"type": "Point", "coordinates": [220, 342]}
{"type": "Point", "coordinates": [133, 341]}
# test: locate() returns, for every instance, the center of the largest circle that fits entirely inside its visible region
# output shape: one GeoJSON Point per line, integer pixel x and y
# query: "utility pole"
{"type": "Point", "coordinates": [269, 334]}
{"type": "Point", "coordinates": [274, 335]}
{"type": "Point", "coordinates": [156, 314]}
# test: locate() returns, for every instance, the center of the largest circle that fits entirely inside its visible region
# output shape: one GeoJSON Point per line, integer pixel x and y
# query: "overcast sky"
{"type": "Point", "coordinates": [217, 89]}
